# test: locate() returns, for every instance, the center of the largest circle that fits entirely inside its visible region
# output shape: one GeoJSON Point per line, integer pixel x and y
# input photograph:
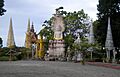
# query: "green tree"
{"type": "Point", "coordinates": [1, 42]}
{"type": "Point", "coordinates": [107, 8]}
{"type": "Point", "coordinates": [81, 48]}
{"type": "Point", "coordinates": [2, 10]}
{"type": "Point", "coordinates": [47, 33]}
{"type": "Point", "coordinates": [75, 23]}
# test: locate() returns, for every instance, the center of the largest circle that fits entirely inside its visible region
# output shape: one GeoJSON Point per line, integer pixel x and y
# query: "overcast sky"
{"type": "Point", "coordinates": [38, 11]}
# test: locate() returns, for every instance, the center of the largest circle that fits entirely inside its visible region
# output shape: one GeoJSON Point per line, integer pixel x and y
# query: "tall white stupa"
{"type": "Point", "coordinates": [109, 40]}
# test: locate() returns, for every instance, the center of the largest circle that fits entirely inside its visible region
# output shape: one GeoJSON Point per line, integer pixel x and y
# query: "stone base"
{"type": "Point", "coordinates": [56, 48]}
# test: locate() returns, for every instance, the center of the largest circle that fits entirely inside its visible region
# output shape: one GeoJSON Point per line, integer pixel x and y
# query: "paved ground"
{"type": "Point", "coordinates": [54, 69]}
{"type": "Point", "coordinates": [107, 65]}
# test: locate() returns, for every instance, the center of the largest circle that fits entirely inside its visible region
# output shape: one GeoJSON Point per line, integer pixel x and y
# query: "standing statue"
{"type": "Point", "coordinates": [56, 46]}
{"type": "Point", "coordinates": [58, 24]}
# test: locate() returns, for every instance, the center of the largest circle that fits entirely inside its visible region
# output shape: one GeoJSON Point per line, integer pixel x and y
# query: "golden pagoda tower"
{"type": "Point", "coordinates": [28, 39]}
{"type": "Point", "coordinates": [10, 39]}
{"type": "Point", "coordinates": [28, 28]}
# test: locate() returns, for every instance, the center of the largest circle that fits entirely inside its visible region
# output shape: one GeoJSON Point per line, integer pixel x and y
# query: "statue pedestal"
{"type": "Point", "coordinates": [56, 48]}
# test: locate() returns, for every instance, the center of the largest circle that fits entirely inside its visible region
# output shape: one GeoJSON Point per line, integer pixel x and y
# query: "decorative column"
{"type": "Point", "coordinates": [41, 48]}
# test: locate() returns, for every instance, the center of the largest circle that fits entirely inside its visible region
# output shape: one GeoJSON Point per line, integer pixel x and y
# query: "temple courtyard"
{"type": "Point", "coordinates": [54, 69]}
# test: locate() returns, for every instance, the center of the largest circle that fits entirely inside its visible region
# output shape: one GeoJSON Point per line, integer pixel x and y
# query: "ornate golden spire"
{"type": "Point", "coordinates": [28, 28]}
{"type": "Point", "coordinates": [10, 39]}
{"type": "Point", "coordinates": [27, 38]}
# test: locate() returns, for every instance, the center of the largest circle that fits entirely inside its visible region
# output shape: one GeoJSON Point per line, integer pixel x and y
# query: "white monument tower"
{"type": "Point", "coordinates": [91, 37]}
{"type": "Point", "coordinates": [109, 41]}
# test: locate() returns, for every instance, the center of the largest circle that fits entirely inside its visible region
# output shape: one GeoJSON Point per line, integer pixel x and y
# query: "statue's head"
{"type": "Point", "coordinates": [58, 10]}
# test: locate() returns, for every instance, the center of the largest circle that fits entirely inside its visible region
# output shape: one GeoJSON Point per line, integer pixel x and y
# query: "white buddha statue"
{"type": "Point", "coordinates": [58, 25]}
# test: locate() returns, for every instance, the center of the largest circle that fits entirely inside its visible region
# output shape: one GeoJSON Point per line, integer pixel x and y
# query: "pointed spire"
{"type": "Point", "coordinates": [32, 28]}
{"type": "Point", "coordinates": [91, 36]}
{"type": "Point", "coordinates": [27, 38]}
{"type": "Point", "coordinates": [109, 40]}
{"type": "Point", "coordinates": [28, 28]}
{"type": "Point", "coordinates": [10, 39]}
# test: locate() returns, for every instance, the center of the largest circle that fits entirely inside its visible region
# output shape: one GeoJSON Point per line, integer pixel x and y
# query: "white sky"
{"type": "Point", "coordinates": [38, 11]}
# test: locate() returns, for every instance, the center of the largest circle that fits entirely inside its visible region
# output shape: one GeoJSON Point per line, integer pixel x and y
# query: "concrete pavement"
{"type": "Point", "coordinates": [107, 65]}
{"type": "Point", "coordinates": [53, 69]}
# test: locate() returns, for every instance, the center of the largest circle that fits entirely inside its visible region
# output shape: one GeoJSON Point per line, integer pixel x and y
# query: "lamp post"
{"type": "Point", "coordinates": [75, 55]}
{"type": "Point", "coordinates": [91, 51]}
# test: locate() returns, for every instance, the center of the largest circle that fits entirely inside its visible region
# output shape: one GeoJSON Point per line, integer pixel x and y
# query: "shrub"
{"type": "Point", "coordinates": [4, 58]}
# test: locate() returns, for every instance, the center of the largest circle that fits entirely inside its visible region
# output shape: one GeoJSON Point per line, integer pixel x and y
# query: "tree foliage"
{"type": "Point", "coordinates": [21, 53]}
{"type": "Point", "coordinates": [75, 22]}
{"type": "Point", "coordinates": [47, 32]}
{"type": "Point", "coordinates": [107, 8]}
{"type": "Point", "coordinates": [1, 42]}
{"type": "Point", "coordinates": [2, 10]}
